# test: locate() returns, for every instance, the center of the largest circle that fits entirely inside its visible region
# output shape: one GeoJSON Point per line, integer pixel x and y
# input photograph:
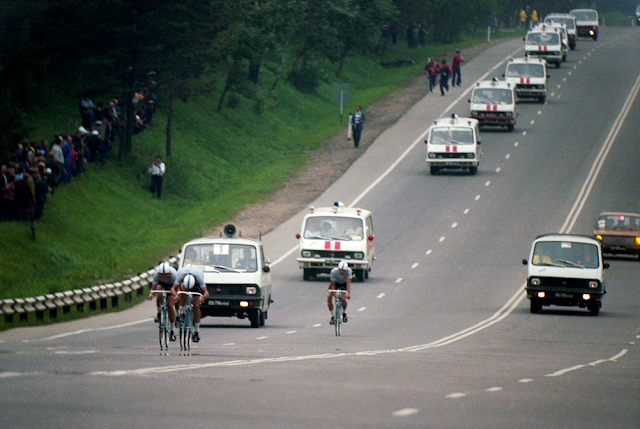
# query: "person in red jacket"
{"type": "Point", "coordinates": [456, 76]}
{"type": "Point", "coordinates": [432, 69]}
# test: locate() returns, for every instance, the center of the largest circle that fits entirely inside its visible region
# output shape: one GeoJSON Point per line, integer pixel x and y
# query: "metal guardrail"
{"type": "Point", "coordinates": [99, 297]}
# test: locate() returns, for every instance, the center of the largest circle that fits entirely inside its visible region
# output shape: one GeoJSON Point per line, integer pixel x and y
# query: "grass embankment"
{"type": "Point", "coordinates": [105, 226]}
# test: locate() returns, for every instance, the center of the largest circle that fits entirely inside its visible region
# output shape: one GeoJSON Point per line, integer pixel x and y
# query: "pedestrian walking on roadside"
{"type": "Point", "coordinates": [157, 170]}
{"type": "Point", "coordinates": [445, 73]}
{"type": "Point", "coordinates": [432, 69]}
{"type": "Point", "coordinates": [456, 75]}
{"type": "Point", "coordinates": [357, 120]}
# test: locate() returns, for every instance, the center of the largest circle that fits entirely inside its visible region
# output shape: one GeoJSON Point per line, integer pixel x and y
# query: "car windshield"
{"type": "Point", "coordinates": [451, 135]}
{"type": "Point", "coordinates": [566, 254]}
{"type": "Point", "coordinates": [571, 23]}
{"type": "Point", "coordinates": [217, 257]}
{"type": "Point", "coordinates": [492, 96]}
{"type": "Point", "coordinates": [525, 70]}
{"type": "Point", "coordinates": [622, 222]}
{"type": "Point", "coordinates": [334, 227]}
{"type": "Point", "coordinates": [585, 15]}
{"type": "Point", "coordinates": [543, 39]}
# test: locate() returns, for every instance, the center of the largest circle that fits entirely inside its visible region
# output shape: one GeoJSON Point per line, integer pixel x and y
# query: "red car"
{"type": "Point", "coordinates": [619, 233]}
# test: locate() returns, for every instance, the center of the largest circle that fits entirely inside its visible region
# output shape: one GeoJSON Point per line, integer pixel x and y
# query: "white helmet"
{"type": "Point", "coordinates": [164, 268]}
{"type": "Point", "coordinates": [342, 265]}
{"type": "Point", "coordinates": [189, 282]}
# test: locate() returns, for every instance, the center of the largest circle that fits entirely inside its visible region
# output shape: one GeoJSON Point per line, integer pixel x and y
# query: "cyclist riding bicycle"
{"type": "Point", "coordinates": [164, 278]}
{"type": "Point", "coordinates": [340, 280]}
{"type": "Point", "coordinates": [191, 279]}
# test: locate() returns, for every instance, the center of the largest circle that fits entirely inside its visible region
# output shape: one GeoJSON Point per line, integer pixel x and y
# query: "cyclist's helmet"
{"type": "Point", "coordinates": [164, 268]}
{"type": "Point", "coordinates": [342, 265]}
{"type": "Point", "coordinates": [189, 282]}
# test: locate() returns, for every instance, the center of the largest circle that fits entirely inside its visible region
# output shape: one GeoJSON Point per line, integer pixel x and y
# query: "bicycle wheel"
{"type": "Point", "coordinates": [164, 330]}
{"type": "Point", "coordinates": [338, 316]}
{"type": "Point", "coordinates": [188, 328]}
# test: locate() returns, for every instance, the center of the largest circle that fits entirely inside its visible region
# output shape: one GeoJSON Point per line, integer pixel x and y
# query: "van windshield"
{"type": "Point", "coordinates": [451, 135]}
{"type": "Point", "coordinates": [585, 15]}
{"type": "Point", "coordinates": [525, 70]}
{"type": "Point", "coordinates": [570, 22]}
{"type": "Point", "coordinates": [492, 96]}
{"type": "Point", "coordinates": [543, 39]}
{"type": "Point", "coordinates": [566, 254]}
{"type": "Point", "coordinates": [334, 227]}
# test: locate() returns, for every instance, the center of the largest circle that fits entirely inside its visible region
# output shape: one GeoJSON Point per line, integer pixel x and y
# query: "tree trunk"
{"type": "Point", "coordinates": [227, 85]}
{"type": "Point", "coordinates": [282, 61]}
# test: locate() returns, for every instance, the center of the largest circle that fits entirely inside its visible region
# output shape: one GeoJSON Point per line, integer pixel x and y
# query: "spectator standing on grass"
{"type": "Point", "coordinates": [86, 107]}
{"type": "Point", "coordinates": [54, 176]}
{"type": "Point", "coordinates": [68, 159]}
{"type": "Point", "coordinates": [456, 75]}
{"type": "Point", "coordinates": [56, 151]}
{"type": "Point", "coordinates": [357, 121]}
{"type": "Point", "coordinates": [157, 170]}
{"type": "Point", "coordinates": [445, 73]}
{"type": "Point", "coordinates": [41, 190]}
{"type": "Point", "coordinates": [432, 69]}
{"type": "Point", "coordinates": [24, 196]}
{"type": "Point", "coordinates": [9, 192]}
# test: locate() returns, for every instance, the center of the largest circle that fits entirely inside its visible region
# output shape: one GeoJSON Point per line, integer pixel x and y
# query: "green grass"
{"type": "Point", "coordinates": [105, 227]}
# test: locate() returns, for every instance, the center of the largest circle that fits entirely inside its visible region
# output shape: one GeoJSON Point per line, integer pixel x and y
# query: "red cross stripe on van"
{"type": "Point", "coordinates": [542, 48]}
{"type": "Point", "coordinates": [336, 244]}
{"type": "Point", "coordinates": [525, 80]}
{"type": "Point", "coordinates": [493, 107]}
{"type": "Point", "coordinates": [451, 148]}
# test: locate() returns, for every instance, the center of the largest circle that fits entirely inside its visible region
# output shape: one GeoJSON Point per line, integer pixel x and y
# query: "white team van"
{"type": "Point", "coordinates": [587, 22]}
{"type": "Point", "coordinates": [453, 143]}
{"type": "Point", "coordinates": [570, 22]}
{"type": "Point", "coordinates": [529, 75]}
{"type": "Point", "coordinates": [493, 102]}
{"type": "Point", "coordinates": [331, 234]}
{"type": "Point", "coordinates": [544, 42]}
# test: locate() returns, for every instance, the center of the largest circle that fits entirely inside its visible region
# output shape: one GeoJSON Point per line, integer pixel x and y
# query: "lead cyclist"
{"type": "Point", "coordinates": [340, 280]}
{"type": "Point", "coordinates": [164, 278]}
{"type": "Point", "coordinates": [191, 279]}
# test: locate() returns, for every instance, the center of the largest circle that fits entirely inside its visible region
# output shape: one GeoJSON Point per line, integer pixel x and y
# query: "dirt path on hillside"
{"type": "Point", "coordinates": [334, 157]}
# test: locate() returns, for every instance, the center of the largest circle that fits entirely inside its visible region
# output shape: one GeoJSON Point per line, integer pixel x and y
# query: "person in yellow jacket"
{"type": "Point", "coordinates": [523, 17]}
{"type": "Point", "coordinates": [534, 17]}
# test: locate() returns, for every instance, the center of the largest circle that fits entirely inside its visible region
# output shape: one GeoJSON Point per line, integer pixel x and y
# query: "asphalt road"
{"type": "Point", "coordinates": [440, 335]}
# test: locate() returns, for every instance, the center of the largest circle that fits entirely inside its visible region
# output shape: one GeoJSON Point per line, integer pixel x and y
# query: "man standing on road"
{"type": "Point", "coordinates": [357, 120]}
{"type": "Point", "coordinates": [456, 76]}
{"type": "Point", "coordinates": [157, 171]}
{"type": "Point", "coordinates": [432, 69]}
{"type": "Point", "coordinates": [445, 73]}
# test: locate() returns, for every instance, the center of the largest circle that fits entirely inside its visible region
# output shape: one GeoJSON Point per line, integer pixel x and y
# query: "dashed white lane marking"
{"type": "Point", "coordinates": [552, 94]}
{"type": "Point", "coordinates": [441, 239]}
{"type": "Point", "coordinates": [532, 122]}
{"type": "Point", "coordinates": [594, 363]}
{"type": "Point", "coordinates": [406, 412]}
{"type": "Point", "coordinates": [524, 133]}
{"type": "Point", "coordinates": [399, 279]}
{"type": "Point", "coordinates": [429, 252]}
{"type": "Point", "coordinates": [477, 197]}
{"type": "Point", "coordinates": [539, 112]}
{"type": "Point", "coordinates": [487, 183]}
{"type": "Point", "coordinates": [525, 380]}
{"type": "Point", "coordinates": [381, 295]}
{"type": "Point", "coordinates": [79, 352]}
{"type": "Point", "coordinates": [362, 309]}
{"type": "Point", "coordinates": [229, 344]}
{"type": "Point", "coordinates": [493, 389]}
{"type": "Point", "coordinates": [575, 67]}
{"type": "Point", "coordinates": [569, 73]}
{"type": "Point", "coordinates": [558, 86]}
{"type": "Point", "coordinates": [317, 325]}
{"type": "Point", "coordinates": [632, 342]}
{"type": "Point", "coordinates": [415, 264]}
{"type": "Point", "coordinates": [564, 79]}
{"type": "Point", "coordinates": [455, 395]}
{"type": "Point", "coordinates": [516, 144]}
{"type": "Point", "coordinates": [507, 156]}
{"type": "Point", "coordinates": [465, 211]}
{"type": "Point", "coordinates": [291, 332]}
{"type": "Point", "coordinates": [454, 224]}
{"type": "Point", "coordinates": [498, 170]}
{"type": "Point", "coordinates": [261, 338]}
{"type": "Point", "coordinates": [579, 62]}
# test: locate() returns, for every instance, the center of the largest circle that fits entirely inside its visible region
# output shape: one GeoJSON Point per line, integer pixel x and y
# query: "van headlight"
{"type": "Point", "coordinates": [252, 290]}
{"type": "Point", "coordinates": [432, 155]}
{"type": "Point", "coordinates": [471, 155]}
{"type": "Point", "coordinates": [306, 253]}
{"type": "Point", "coordinates": [593, 285]}
{"type": "Point", "coordinates": [358, 255]}
{"type": "Point", "coordinates": [535, 281]}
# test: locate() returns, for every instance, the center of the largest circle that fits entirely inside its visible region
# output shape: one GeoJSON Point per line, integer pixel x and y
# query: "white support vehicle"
{"type": "Point", "coordinates": [587, 22]}
{"type": "Point", "coordinates": [544, 42]}
{"type": "Point", "coordinates": [332, 234]}
{"type": "Point", "coordinates": [570, 22]}
{"type": "Point", "coordinates": [453, 143]}
{"type": "Point", "coordinates": [236, 273]}
{"type": "Point", "coordinates": [529, 75]}
{"type": "Point", "coordinates": [564, 37]}
{"type": "Point", "coordinates": [494, 102]}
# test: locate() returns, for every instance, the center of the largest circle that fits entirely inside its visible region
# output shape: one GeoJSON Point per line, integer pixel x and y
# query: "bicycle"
{"type": "Point", "coordinates": [163, 322]}
{"type": "Point", "coordinates": [186, 321]}
{"type": "Point", "coordinates": [337, 311]}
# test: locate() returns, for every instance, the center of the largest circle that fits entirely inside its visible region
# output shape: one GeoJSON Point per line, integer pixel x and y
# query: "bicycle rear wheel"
{"type": "Point", "coordinates": [164, 330]}
{"type": "Point", "coordinates": [188, 329]}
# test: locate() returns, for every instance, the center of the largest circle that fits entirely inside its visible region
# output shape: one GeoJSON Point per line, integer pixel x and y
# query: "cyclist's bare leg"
{"type": "Point", "coordinates": [172, 310]}
{"type": "Point", "coordinates": [330, 298]}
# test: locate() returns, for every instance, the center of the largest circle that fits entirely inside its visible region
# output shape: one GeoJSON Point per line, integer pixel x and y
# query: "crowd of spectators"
{"type": "Point", "coordinates": [35, 169]}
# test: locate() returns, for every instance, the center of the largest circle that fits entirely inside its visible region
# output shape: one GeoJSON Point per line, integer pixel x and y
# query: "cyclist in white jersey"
{"type": "Point", "coordinates": [340, 280]}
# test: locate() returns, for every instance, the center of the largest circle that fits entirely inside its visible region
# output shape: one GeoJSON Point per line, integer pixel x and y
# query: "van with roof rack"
{"type": "Point", "coordinates": [529, 75]}
{"type": "Point", "coordinates": [453, 143]}
{"type": "Point", "coordinates": [494, 102]}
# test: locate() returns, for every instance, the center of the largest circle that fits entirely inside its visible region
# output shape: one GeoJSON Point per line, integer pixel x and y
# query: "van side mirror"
{"type": "Point", "coordinates": [605, 265]}
{"type": "Point", "coordinates": [524, 262]}
{"type": "Point", "coordinates": [266, 268]}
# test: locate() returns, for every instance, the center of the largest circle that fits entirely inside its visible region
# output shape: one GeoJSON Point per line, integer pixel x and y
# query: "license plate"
{"type": "Point", "coordinates": [564, 295]}
{"type": "Point", "coordinates": [218, 302]}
